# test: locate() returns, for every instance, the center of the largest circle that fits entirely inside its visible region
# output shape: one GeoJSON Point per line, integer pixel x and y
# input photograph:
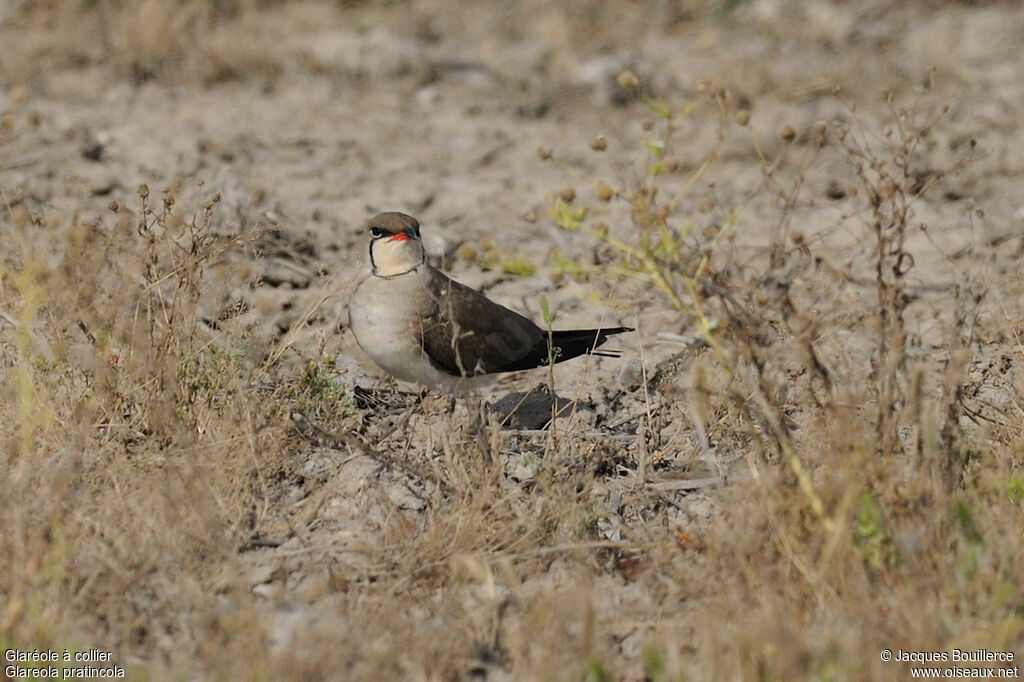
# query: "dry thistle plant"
{"type": "Point", "coordinates": [132, 439]}
{"type": "Point", "coordinates": [692, 269]}
{"type": "Point", "coordinates": [818, 359]}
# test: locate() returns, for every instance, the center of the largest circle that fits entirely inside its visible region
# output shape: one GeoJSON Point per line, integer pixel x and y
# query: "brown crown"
{"type": "Point", "coordinates": [392, 222]}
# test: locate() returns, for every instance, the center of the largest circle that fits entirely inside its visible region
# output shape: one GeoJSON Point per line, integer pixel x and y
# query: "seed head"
{"type": "Point", "coordinates": [628, 79]}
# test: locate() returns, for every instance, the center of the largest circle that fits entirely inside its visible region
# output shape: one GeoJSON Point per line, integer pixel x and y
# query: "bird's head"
{"type": "Point", "coordinates": [395, 244]}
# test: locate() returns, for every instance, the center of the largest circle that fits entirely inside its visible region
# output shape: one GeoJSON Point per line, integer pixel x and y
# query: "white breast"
{"type": "Point", "coordinates": [384, 315]}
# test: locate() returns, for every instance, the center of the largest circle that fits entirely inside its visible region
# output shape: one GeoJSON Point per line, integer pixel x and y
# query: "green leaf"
{"type": "Point", "coordinates": [654, 664]}
{"type": "Point", "coordinates": [659, 108]}
{"type": "Point", "coordinates": [567, 217]}
{"type": "Point", "coordinates": [656, 147]}
{"type": "Point", "coordinates": [1015, 488]}
{"type": "Point", "coordinates": [958, 140]}
{"type": "Point", "coordinates": [596, 671]}
{"type": "Point", "coordinates": [517, 266]}
{"type": "Point", "coordinates": [566, 265]}
{"type": "Point", "coordinates": [966, 523]}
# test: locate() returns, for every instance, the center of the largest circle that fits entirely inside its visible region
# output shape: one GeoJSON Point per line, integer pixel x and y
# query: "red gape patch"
{"type": "Point", "coordinates": [399, 237]}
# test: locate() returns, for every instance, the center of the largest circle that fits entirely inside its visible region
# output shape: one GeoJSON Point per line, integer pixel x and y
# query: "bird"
{"type": "Point", "coordinates": [421, 326]}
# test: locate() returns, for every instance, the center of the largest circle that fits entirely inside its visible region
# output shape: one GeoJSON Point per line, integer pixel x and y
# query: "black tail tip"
{"type": "Point", "coordinates": [600, 336]}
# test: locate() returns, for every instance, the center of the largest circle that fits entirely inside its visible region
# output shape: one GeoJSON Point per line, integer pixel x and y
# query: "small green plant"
{"type": "Point", "coordinates": [596, 671]}
{"type": "Point", "coordinates": [32, 296]}
{"type": "Point", "coordinates": [971, 542]}
{"type": "Point", "coordinates": [516, 266]}
{"type": "Point", "coordinates": [205, 376]}
{"type": "Point", "coordinates": [654, 664]}
{"type": "Point", "coordinates": [871, 536]}
{"type": "Point", "coordinates": [1015, 489]}
{"type": "Point", "coordinates": [491, 257]}
{"type": "Point", "coordinates": [958, 140]}
{"type": "Point", "coordinates": [319, 395]}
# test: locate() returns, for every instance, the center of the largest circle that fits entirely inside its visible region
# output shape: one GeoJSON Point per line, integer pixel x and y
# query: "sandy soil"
{"type": "Point", "coordinates": [308, 118]}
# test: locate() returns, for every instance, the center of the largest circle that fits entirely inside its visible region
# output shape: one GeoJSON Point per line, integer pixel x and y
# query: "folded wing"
{"type": "Point", "coordinates": [466, 334]}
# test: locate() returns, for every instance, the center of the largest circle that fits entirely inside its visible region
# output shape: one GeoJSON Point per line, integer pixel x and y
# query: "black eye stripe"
{"type": "Point", "coordinates": [409, 230]}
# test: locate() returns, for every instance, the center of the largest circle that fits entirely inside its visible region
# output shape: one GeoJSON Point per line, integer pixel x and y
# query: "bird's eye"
{"type": "Point", "coordinates": [376, 232]}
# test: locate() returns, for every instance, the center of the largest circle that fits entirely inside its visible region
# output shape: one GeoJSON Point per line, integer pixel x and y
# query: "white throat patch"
{"type": "Point", "coordinates": [391, 258]}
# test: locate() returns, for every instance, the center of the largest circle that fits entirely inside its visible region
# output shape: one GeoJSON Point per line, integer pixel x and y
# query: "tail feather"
{"type": "Point", "coordinates": [572, 343]}
{"type": "Point", "coordinates": [565, 345]}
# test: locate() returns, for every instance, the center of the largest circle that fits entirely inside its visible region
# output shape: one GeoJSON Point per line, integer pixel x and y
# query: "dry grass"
{"type": "Point", "coordinates": [871, 473]}
{"type": "Point", "coordinates": [829, 467]}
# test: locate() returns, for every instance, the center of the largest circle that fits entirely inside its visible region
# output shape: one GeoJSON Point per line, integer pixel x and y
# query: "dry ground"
{"type": "Point", "coordinates": [809, 452]}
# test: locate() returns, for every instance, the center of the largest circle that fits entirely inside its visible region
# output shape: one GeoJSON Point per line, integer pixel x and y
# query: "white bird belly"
{"type": "Point", "coordinates": [383, 317]}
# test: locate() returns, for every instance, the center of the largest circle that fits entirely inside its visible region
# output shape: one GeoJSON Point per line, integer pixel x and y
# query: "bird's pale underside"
{"type": "Point", "coordinates": [419, 325]}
